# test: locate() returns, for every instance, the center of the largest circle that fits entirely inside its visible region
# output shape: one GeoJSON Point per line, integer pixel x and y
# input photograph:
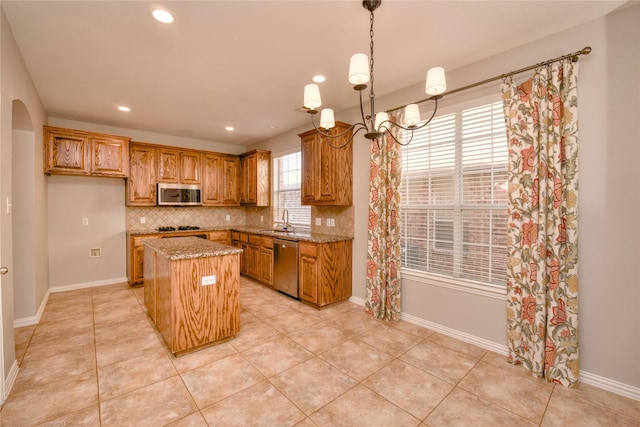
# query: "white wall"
{"type": "Point", "coordinates": [609, 200]}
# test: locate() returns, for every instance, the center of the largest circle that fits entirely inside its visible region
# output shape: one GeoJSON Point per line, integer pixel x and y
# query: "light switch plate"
{"type": "Point", "coordinates": [318, 221]}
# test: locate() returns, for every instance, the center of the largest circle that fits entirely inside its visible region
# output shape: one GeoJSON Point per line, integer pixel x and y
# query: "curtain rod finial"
{"type": "Point", "coordinates": [586, 50]}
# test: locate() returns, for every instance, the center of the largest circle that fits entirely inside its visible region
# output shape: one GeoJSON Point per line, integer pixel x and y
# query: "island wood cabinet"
{"type": "Point", "coordinates": [327, 172]}
{"type": "Point", "coordinates": [76, 152]}
{"type": "Point", "coordinates": [179, 166]}
{"type": "Point", "coordinates": [256, 261]}
{"type": "Point", "coordinates": [135, 249]}
{"type": "Point", "coordinates": [220, 180]}
{"type": "Point", "coordinates": [187, 313]}
{"type": "Point", "coordinates": [141, 185]}
{"type": "Point", "coordinates": [255, 181]}
{"type": "Point", "coordinates": [325, 272]}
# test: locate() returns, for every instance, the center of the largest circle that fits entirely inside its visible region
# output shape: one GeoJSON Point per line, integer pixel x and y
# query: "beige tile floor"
{"type": "Point", "coordinates": [96, 360]}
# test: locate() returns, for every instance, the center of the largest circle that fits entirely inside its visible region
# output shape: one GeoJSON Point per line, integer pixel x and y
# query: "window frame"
{"type": "Point", "coordinates": [275, 208]}
{"type": "Point", "coordinates": [466, 285]}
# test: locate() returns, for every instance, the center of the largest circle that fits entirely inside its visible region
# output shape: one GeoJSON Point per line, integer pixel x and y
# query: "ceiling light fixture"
{"type": "Point", "coordinates": [124, 108]}
{"type": "Point", "coordinates": [229, 128]}
{"type": "Point", "coordinates": [361, 73]}
{"type": "Point", "coordinates": [162, 15]}
{"type": "Point", "coordinates": [319, 78]}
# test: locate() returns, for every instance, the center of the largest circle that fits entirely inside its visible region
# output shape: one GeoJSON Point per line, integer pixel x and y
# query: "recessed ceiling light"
{"type": "Point", "coordinates": [162, 15]}
{"type": "Point", "coordinates": [124, 108]}
{"type": "Point", "coordinates": [319, 78]}
{"type": "Point", "coordinates": [229, 128]}
{"type": "Point", "coordinates": [272, 127]}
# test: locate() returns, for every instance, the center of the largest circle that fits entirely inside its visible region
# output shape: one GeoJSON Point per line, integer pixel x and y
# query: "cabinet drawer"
{"type": "Point", "coordinates": [235, 235]}
{"type": "Point", "coordinates": [308, 249]}
{"type": "Point", "coordinates": [138, 241]}
{"type": "Point", "coordinates": [219, 235]}
{"type": "Point", "coordinates": [258, 240]}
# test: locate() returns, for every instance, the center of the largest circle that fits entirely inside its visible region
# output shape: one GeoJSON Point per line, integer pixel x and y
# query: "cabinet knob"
{"type": "Point", "coordinates": [4, 270]}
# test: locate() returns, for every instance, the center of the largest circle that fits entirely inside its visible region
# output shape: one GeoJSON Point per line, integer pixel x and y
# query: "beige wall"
{"type": "Point", "coordinates": [16, 84]}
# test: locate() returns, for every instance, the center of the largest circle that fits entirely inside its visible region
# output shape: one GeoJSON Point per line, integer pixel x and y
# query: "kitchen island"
{"type": "Point", "coordinates": [191, 290]}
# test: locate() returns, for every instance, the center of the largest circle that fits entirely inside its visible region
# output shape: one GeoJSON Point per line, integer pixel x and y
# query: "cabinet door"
{"type": "Point", "coordinates": [266, 265]}
{"type": "Point", "coordinates": [141, 184]}
{"type": "Point", "coordinates": [212, 180]}
{"type": "Point", "coordinates": [66, 152]}
{"type": "Point", "coordinates": [309, 278]}
{"type": "Point", "coordinates": [230, 166]}
{"type": "Point", "coordinates": [243, 256]}
{"type": "Point", "coordinates": [253, 261]}
{"type": "Point", "coordinates": [309, 153]}
{"type": "Point", "coordinates": [249, 177]}
{"type": "Point", "coordinates": [190, 167]}
{"type": "Point", "coordinates": [110, 156]}
{"type": "Point", "coordinates": [168, 165]}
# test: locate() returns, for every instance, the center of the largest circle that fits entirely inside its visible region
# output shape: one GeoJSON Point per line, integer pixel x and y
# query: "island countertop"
{"type": "Point", "coordinates": [188, 247]}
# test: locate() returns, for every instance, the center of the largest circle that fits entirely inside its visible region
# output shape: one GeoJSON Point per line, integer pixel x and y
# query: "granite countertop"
{"type": "Point", "coordinates": [177, 248]}
{"type": "Point", "coordinates": [290, 235]}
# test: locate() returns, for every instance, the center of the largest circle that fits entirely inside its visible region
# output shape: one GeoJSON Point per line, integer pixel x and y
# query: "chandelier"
{"type": "Point", "coordinates": [374, 125]}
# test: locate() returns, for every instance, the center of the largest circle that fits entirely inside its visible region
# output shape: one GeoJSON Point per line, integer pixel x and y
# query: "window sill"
{"type": "Point", "coordinates": [461, 285]}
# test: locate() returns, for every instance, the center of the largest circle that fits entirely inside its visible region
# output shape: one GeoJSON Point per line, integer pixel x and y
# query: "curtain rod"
{"type": "Point", "coordinates": [573, 56]}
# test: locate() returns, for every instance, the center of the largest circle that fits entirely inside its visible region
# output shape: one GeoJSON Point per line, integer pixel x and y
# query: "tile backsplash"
{"type": "Point", "coordinates": [167, 216]}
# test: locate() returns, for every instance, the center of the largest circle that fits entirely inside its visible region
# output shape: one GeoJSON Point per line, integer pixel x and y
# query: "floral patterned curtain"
{"type": "Point", "coordinates": [542, 240]}
{"type": "Point", "coordinates": [383, 259]}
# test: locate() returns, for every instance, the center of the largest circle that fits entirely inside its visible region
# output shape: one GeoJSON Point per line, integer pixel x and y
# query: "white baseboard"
{"type": "Point", "coordinates": [616, 387]}
{"type": "Point", "coordinates": [588, 378]}
{"type": "Point", "coordinates": [11, 379]}
{"type": "Point", "coordinates": [75, 286]}
{"type": "Point", "coordinates": [33, 320]}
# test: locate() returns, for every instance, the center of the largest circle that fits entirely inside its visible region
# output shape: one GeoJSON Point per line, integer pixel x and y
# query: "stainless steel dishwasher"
{"type": "Point", "coordinates": [285, 266]}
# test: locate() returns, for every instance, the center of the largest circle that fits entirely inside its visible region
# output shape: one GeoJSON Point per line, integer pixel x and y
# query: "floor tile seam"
{"type": "Point", "coordinates": [393, 403]}
{"type": "Point", "coordinates": [461, 386]}
{"type": "Point", "coordinates": [95, 358]}
{"type": "Point", "coordinates": [133, 390]}
{"type": "Point", "coordinates": [590, 402]}
{"type": "Point", "coordinates": [462, 353]}
{"type": "Point", "coordinates": [546, 406]}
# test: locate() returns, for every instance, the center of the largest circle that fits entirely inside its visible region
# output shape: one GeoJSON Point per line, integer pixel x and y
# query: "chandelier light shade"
{"type": "Point", "coordinates": [436, 81]}
{"type": "Point", "coordinates": [360, 76]}
{"type": "Point", "coordinates": [326, 119]}
{"type": "Point", "coordinates": [312, 96]}
{"type": "Point", "coordinates": [359, 69]}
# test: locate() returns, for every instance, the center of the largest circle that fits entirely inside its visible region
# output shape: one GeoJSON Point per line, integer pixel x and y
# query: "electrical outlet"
{"type": "Point", "coordinates": [227, 218]}
{"type": "Point", "coordinates": [143, 220]}
{"type": "Point", "coordinates": [328, 222]}
{"type": "Point", "coordinates": [208, 280]}
{"type": "Point", "coordinates": [333, 222]}
{"type": "Point", "coordinates": [318, 221]}
{"type": "Point", "coordinates": [95, 252]}
{"type": "Point", "coordinates": [261, 218]}
{"type": "Point", "coordinates": [85, 221]}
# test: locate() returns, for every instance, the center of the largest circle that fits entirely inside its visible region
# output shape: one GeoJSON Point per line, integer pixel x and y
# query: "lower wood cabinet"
{"type": "Point", "coordinates": [325, 272]}
{"type": "Point", "coordinates": [256, 261]}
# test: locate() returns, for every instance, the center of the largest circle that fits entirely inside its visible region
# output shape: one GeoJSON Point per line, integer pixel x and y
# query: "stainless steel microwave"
{"type": "Point", "coordinates": [179, 195]}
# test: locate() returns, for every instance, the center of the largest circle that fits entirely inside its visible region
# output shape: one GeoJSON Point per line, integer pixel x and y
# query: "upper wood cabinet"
{"type": "Point", "coordinates": [181, 166]}
{"type": "Point", "coordinates": [327, 172]}
{"type": "Point", "coordinates": [220, 180]}
{"type": "Point", "coordinates": [75, 152]}
{"type": "Point", "coordinates": [141, 185]}
{"type": "Point", "coordinates": [255, 181]}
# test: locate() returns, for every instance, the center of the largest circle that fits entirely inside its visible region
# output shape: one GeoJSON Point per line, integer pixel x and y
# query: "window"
{"type": "Point", "coordinates": [287, 177]}
{"type": "Point", "coordinates": [454, 199]}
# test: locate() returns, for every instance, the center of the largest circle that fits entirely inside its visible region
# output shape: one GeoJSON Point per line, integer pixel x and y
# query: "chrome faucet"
{"type": "Point", "coordinates": [285, 218]}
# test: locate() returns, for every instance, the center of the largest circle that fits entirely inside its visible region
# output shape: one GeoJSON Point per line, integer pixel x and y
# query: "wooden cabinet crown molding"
{"type": "Point", "coordinates": [77, 152]}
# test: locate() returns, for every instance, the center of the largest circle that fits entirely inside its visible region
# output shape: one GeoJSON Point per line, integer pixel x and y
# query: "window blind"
{"type": "Point", "coordinates": [287, 178]}
{"type": "Point", "coordinates": [454, 200]}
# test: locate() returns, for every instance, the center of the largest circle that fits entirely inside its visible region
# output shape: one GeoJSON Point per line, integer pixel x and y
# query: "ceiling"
{"type": "Point", "coordinates": [245, 63]}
